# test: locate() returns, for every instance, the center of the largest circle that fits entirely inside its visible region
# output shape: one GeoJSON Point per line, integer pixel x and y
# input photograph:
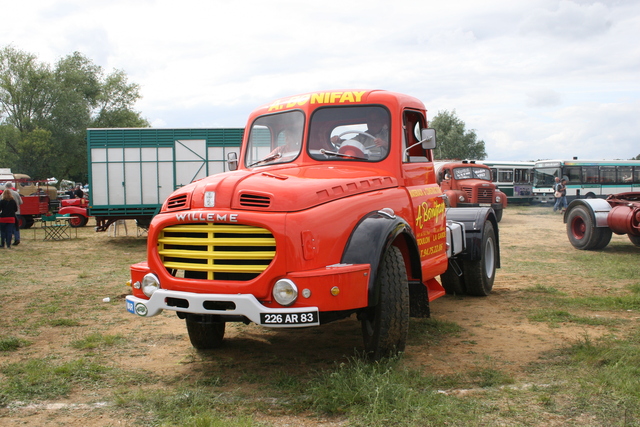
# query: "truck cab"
{"type": "Point", "coordinates": [331, 209]}
{"type": "Point", "coordinates": [469, 184]}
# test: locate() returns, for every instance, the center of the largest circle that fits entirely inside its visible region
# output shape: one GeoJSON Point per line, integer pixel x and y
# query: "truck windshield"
{"type": "Point", "coordinates": [469, 173]}
{"type": "Point", "coordinates": [349, 133]}
{"type": "Point", "coordinates": [276, 138]}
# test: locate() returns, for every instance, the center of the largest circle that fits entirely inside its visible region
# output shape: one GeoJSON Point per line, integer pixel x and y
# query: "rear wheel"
{"type": "Point", "coordinates": [480, 274]}
{"type": "Point", "coordinates": [582, 231]}
{"type": "Point", "coordinates": [205, 334]}
{"type": "Point", "coordinates": [385, 326]}
{"type": "Point", "coordinates": [451, 282]}
{"type": "Point", "coordinates": [77, 220]}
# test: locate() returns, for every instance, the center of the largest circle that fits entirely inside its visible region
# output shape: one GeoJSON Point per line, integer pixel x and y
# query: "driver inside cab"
{"type": "Point", "coordinates": [378, 128]}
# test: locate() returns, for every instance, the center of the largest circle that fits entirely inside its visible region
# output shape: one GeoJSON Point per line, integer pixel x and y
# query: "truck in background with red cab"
{"type": "Point", "coordinates": [469, 184]}
{"type": "Point", "coordinates": [331, 209]}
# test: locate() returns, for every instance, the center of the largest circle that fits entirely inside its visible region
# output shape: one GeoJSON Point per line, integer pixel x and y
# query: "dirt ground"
{"type": "Point", "coordinates": [495, 330]}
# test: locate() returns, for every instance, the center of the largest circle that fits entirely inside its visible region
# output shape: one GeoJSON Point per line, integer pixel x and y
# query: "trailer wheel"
{"type": "Point", "coordinates": [203, 334]}
{"type": "Point", "coordinates": [77, 220]}
{"type": "Point", "coordinates": [480, 274]}
{"type": "Point", "coordinates": [583, 233]}
{"type": "Point", "coordinates": [634, 239]}
{"type": "Point", "coordinates": [385, 326]}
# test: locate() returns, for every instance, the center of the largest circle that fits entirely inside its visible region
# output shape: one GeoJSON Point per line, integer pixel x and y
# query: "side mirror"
{"type": "Point", "coordinates": [232, 161]}
{"type": "Point", "coordinates": [428, 139]}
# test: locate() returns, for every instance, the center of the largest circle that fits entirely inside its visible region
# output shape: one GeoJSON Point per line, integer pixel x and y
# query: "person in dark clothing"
{"type": "Point", "coordinates": [78, 192]}
{"type": "Point", "coordinates": [8, 209]}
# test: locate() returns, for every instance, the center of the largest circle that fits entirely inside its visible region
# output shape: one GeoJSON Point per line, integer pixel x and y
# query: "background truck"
{"type": "Point", "coordinates": [469, 184]}
{"type": "Point", "coordinates": [591, 222]}
{"type": "Point", "coordinates": [332, 209]}
{"type": "Point", "coordinates": [132, 171]}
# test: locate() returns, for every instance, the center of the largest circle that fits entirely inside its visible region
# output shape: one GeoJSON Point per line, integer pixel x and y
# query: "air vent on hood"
{"type": "Point", "coordinates": [177, 202]}
{"type": "Point", "coordinates": [254, 201]}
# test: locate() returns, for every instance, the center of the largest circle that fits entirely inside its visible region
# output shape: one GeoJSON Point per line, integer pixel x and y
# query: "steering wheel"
{"type": "Point", "coordinates": [373, 138]}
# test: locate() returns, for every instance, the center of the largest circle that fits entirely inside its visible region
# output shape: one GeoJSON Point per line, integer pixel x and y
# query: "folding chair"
{"type": "Point", "coordinates": [55, 228]}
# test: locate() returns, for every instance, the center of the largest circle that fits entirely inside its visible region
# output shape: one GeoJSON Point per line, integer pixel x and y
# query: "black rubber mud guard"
{"type": "Point", "coordinates": [474, 220]}
{"type": "Point", "coordinates": [370, 239]}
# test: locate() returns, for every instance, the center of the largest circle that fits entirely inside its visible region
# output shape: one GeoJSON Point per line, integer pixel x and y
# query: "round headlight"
{"type": "Point", "coordinates": [461, 198]}
{"type": "Point", "coordinates": [498, 199]}
{"type": "Point", "coordinates": [285, 292]}
{"type": "Point", "coordinates": [150, 284]}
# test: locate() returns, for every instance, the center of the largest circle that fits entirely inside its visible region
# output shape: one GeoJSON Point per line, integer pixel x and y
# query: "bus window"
{"type": "Point", "coordinates": [591, 175]}
{"type": "Point", "coordinates": [636, 174]}
{"type": "Point", "coordinates": [625, 174]}
{"type": "Point", "coordinates": [505, 175]}
{"type": "Point", "coordinates": [573, 174]}
{"type": "Point", "coordinates": [607, 174]}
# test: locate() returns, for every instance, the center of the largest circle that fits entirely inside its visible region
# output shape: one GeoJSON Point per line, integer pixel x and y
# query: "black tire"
{"type": "Point", "coordinates": [582, 231]}
{"type": "Point", "coordinates": [498, 214]}
{"type": "Point", "coordinates": [205, 335]}
{"type": "Point", "coordinates": [634, 239]}
{"type": "Point", "coordinates": [480, 274]}
{"type": "Point", "coordinates": [452, 283]}
{"type": "Point", "coordinates": [78, 220]}
{"type": "Point", "coordinates": [385, 326]}
{"type": "Point", "coordinates": [603, 235]}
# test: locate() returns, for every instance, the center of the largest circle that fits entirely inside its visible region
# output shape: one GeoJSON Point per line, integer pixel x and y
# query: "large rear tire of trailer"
{"type": "Point", "coordinates": [582, 231]}
{"type": "Point", "coordinates": [204, 334]}
{"type": "Point", "coordinates": [385, 326]}
{"type": "Point", "coordinates": [634, 239]}
{"type": "Point", "coordinates": [480, 274]}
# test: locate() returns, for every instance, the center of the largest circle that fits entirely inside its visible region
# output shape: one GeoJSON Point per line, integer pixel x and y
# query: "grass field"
{"type": "Point", "coordinates": [557, 343]}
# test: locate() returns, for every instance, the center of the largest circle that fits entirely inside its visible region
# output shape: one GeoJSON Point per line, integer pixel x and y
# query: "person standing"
{"type": "Point", "coordinates": [561, 192]}
{"type": "Point", "coordinates": [18, 200]}
{"type": "Point", "coordinates": [8, 209]}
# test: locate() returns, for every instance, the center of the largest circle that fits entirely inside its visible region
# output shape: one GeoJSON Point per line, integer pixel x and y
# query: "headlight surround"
{"type": "Point", "coordinates": [150, 284]}
{"type": "Point", "coordinates": [285, 292]}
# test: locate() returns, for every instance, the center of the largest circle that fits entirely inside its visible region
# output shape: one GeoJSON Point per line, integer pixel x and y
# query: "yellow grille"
{"type": "Point", "coordinates": [216, 251]}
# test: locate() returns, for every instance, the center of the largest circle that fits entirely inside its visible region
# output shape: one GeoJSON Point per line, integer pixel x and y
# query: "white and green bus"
{"type": "Point", "coordinates": [586, 179]}
{"type": "Point", "coordinates": [515, 179]}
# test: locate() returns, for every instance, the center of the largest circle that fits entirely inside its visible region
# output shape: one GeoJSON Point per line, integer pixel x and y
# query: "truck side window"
{"type": "Point", "coordinates": [413, 123]}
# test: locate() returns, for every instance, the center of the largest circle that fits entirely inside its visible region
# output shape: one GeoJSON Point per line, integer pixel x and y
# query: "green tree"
{"type": "Point", "coordinates": [454, 142]}
{"type": "Point", "coordinates": [61, 102]}
{"type": "Point", "coordinates": [636, 157]}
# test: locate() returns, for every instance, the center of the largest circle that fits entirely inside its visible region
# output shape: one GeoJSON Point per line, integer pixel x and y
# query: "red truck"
{"type": "Point", "coordinates": [332, 209]}
{"type": "Point", "coordinates": [469, 184]}
{"type": "Point", "coordinates": [591, 222]}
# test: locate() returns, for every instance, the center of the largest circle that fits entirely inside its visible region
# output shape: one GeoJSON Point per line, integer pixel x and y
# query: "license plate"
{"type": "Point", "coordinates": [131, 307]}
{"type": "Point", "coordinates": [304, 318]}
{"type": "Point", "coordinates": [487, 205]}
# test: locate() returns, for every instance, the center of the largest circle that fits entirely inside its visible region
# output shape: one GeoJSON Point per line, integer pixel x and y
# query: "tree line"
{"type": "Point", "coordinates": [45, 111]}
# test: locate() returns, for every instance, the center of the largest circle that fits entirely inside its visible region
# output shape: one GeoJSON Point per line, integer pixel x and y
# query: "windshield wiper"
{"type": "Point", "coordinates": [333, 153]}
{"type": "Point", "coordinates": [267, 159]}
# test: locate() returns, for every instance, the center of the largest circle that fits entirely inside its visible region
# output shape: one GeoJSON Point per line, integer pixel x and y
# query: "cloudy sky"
{"type": "Point", "coordinates": [536, 79]}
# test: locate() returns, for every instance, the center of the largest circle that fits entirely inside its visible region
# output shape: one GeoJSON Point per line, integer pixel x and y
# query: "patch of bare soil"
{"type": "Point", "coordinates": [495, 330]}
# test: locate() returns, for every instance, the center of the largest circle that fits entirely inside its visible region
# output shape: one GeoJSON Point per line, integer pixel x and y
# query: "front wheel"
{"type": "Point", "coordinates": [204, 334]}
{"type": "Point", "coordinates": [480, 274]}
{"type": "Point", "coordinates": [77, 220]}
{"type": "Point", "coordinates": [385, 326]}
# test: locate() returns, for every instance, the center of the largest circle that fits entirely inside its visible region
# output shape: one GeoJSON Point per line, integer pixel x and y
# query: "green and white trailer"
{"type": "Point", "coordinates": [133, 170]}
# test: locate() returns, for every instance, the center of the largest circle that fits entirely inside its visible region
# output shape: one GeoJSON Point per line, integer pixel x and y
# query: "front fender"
{"type": "Point", "coordinates": [474, 220]}
{"type": "Point", "coordinates": [72, 210]}
{"type": "Point", "coordinates": [369, 240]}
